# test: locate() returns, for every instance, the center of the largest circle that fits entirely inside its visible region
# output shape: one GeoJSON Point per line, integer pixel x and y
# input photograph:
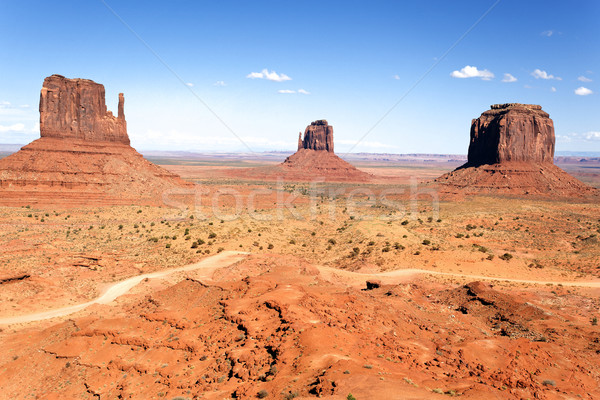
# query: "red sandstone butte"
{"type": "Point", "coordinates": [511, 150]}
{"type": "Point", "coordinates": [83, 156]}
{"type": "Point", "coordinates": [512, 133]}
{"type": "Point", "coordinates": [314, 159]}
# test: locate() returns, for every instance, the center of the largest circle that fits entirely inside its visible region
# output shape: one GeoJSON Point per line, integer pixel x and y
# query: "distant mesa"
{"type": "Point", "coordinates": [83, 155]}
{"type": "Point", "coordinates": [314, 159]}
{"type": "Point", "coordinates": [511, 150]}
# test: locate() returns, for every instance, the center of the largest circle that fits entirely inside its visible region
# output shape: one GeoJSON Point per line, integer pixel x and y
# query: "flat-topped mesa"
{"type": "Point", "coordinates": [317, 136]}
{"type": "Point", "coordinates": [76, 109]}
{"type": "Point", "coordinates": [512, 132]}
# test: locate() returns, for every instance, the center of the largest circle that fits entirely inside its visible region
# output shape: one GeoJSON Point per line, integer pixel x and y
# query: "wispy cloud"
{"type": "Point", "coordinates": [396, 77]}
{"type": "Point", "coordinates": [583, 91]}
{"type": "Point", "coordinates": [591, 136]}
{"type": "Point", "coordinates": [290, 91]}
{"type": "Point", "coordinates": [270, 76]}
{"type": "Point", "coordinates": [539, 74]}
{"type": "Point", "coordinates": [219, 83]}
{"type": "Point", "coordinates": [547, 33]}
{"type": "Point", "coordinates": [472, 72]}
{"type": "Point", "coordinates": [553, 89]}
{"type": "Point", "coordinates": [509, 78]}
{"type": "Point", "coordinates": [190, 84]}
{"type": "Point", "coordinates": [584, 79]}
{"type": "Point", "coordinates": [12, 128]}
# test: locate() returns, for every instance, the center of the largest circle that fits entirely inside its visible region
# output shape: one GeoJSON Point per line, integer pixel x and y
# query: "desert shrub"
{"type": "Point", "coordinates": [430, 219]}
{"type": "Point", "coordinates": [120, 227]}
{"type": "Point", "coordinates": [594, 321]}
{"type": "Point", "coordinates": [386, 249]}
{"type": "Point", "coordinates": [195, 245]}
{"type": "Point", "coordinates": [371, 243]}
{"type": "Point", "coordinates": [405, 222]}
{"type": "Point", "coordinates": [470, 227]}
{"type": "Point", "coordinates": [212, 235]}
{"type": "Point", "coordinates": [262, 394]}
{"type": "Point", "coordinates": [350, 397]}
{"type": "Point", "coordinates": [292, 241]}
{"type": "Point", "coordinates": [200, 242]}
{"type": "Point", "coordinates": [459, 235]}
{"type": "Point", "coordinates": [220, 249]}
{"type": "Point", "coordinates": [291, 395]}
{"type": "Point", "coordinates": [168, 245]}
{"type": "Point", "coordinates": [490, 257]}
{"type": "Point", "coordinates": [398, 246]}
{"type": "Point", "coordinates": [331, 241]}
{"type": "Point", "coordinates": [187, 232]}
{"type": "Point", "coordinates": [506, 256]}
{"type": "Point", "coordinates": [426, 242]}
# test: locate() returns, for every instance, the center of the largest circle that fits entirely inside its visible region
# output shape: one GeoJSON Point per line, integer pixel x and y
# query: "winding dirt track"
{"type": "Point", "coordinates": [400, 275]}
{"type": "Point", "coordinates": [228, 258]}
{"type": "Point", "coordinates": [117, 289]}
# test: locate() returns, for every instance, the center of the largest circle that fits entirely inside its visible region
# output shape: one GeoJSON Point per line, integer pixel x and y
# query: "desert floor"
{"type": "Point", "coordinates": [280, 308]}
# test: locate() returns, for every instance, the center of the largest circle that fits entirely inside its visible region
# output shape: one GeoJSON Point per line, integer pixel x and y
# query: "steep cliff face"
{"type": "Point", "coordinates": [512, 133]}
{"type": "Point", "coordinates": [317, 136]}
{"type": "Point", "coordinates": [76, 108]}
{"type": "Point", "coordinates": [83, 156]}
{"type": "Point", "coordinates": [512, 151]}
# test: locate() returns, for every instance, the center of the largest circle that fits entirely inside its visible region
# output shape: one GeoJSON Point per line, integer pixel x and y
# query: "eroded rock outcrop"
{"type": "Point", "coordinates": [83, 156]}
{"type": "Point", "coordinates": [317, 136]}
{"type": "Point", "coordinates": [314, 159]}
{"type": "Point", "coordinates": [75, 108]}
{"type": "Point", "coordinates": [511, 151]}
{"type": "Point", "coordinates": [512, 132]}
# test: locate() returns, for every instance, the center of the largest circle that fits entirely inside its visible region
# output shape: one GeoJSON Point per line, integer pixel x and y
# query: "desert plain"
{"type": "Point", "coordinates": [304, 289]}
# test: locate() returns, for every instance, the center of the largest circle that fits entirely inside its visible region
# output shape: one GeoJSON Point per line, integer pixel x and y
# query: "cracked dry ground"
{"type": "Point", "coordinates": [271, 326]}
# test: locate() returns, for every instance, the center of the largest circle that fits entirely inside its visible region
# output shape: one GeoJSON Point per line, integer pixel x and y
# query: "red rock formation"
{"type": "Point", "coordinates": [512, 151]}
{"type": "Point", "coordinates": [75, 108]}
{"type": "Point", "coordinates": [313, 160]}
{"type": "Point", "coordinates": [512, 133]}
{"type": "Point", "coordinates": [318, 136]}
{"type": "Point", "coordinates": [83, 156]}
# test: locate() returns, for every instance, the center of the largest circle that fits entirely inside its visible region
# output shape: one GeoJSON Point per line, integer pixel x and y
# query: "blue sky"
{"type": "Point", "coordinates": [348, 62]}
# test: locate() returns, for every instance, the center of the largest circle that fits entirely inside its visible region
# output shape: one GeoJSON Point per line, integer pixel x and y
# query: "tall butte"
{"type": "Point", "coordinates": [83, 155]}
{"type": "Point", "coordinates": [314, 159]}
{"type": "Point", "coordinates": [512, 151]}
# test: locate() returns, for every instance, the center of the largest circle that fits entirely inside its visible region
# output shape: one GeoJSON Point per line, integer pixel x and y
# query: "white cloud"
{"type": "Point", "coordinates": [527, 86]}
{"type": "Point", "coordinates": [24, 106]}
{"type": "Point", "coordinates": [509, 78]}
{"type": "Point", "coordinates": [547, 33]}
{"type": "Point", "coordinates": [553, 89]}
{"type": "Point", "coordinates": [472, 72]}
{"type": "Point", "coordinates": [593, 136]}
{"type": "Point", "coordinates": [583, 91]}
{"type": "Point", "coordinates": [220, 83]}
{"type": "Point", "coordinates": [12, 128]}
{"type": "Point", "coordinates": [539, 74]}
{"type": "Point", "coordinates": [190, 84]}
{"type": "Point", "coordinates": [4, 104]}
{"type": "Point", "coordinates": [396, 77]}
{"type": "Point", "coordinates": [270, 76]}
{"type": "Point", "coordinates": [290, 91]}
{"type": "Point", "coordinates": [584, 79]}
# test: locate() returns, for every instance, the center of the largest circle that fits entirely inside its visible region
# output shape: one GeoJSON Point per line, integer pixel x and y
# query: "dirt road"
{"type": "Point", "coordinates": [117, 289]}
{"type": "Point", "coordinates": [392, 277]}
